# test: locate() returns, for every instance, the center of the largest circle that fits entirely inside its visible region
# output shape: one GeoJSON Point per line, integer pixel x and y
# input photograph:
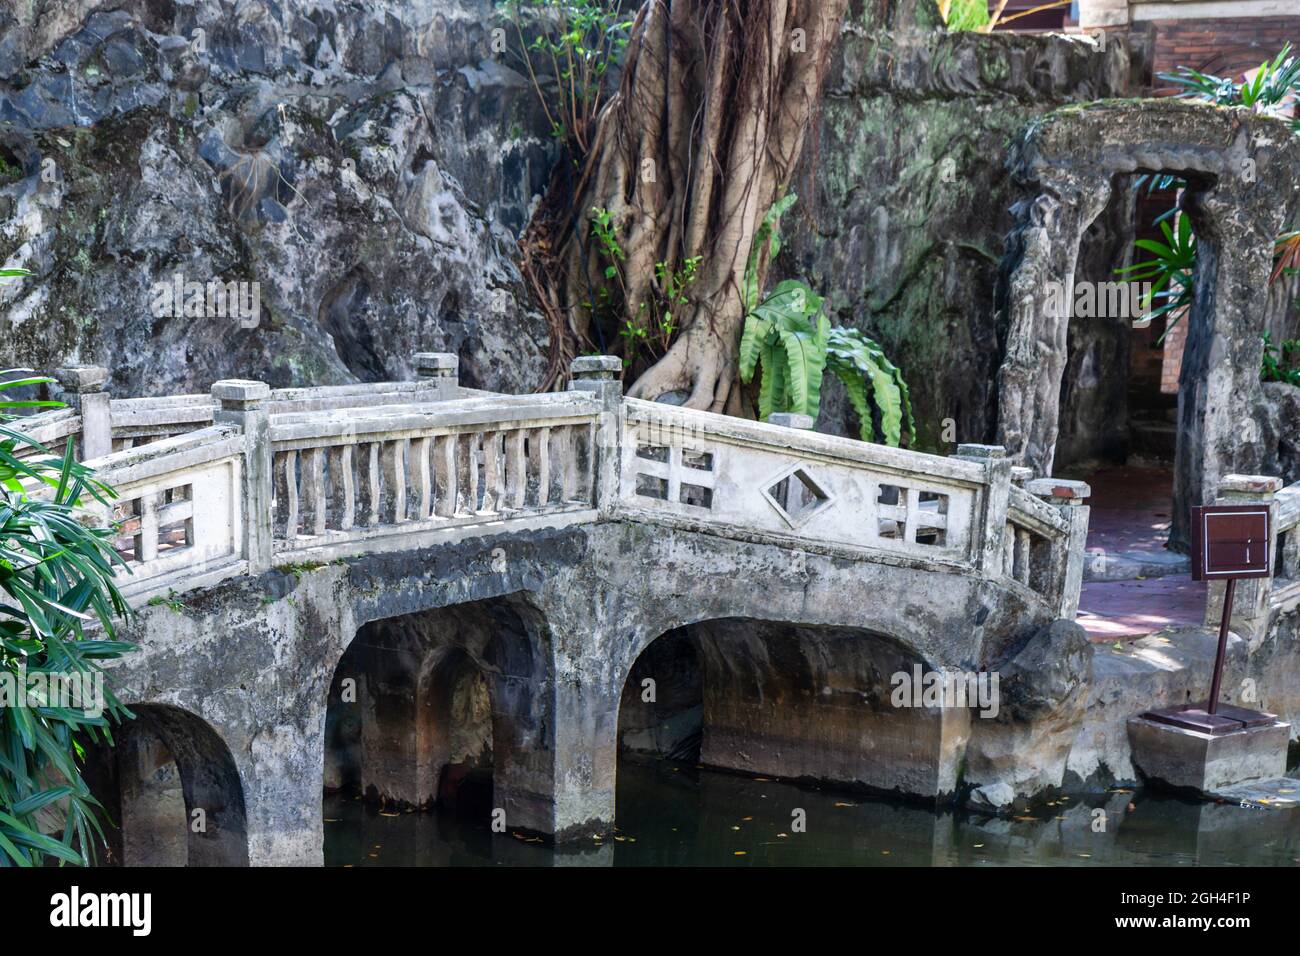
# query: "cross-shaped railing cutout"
{"type": "Point", "coordinates": [675, 473]}
{"type": "Point", "coordinates": [922, 515]}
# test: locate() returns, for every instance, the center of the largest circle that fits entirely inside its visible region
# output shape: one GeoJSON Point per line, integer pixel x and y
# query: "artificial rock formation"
{"type": "Point", "coordinates": [366, 164]}
{"type": "Point", "coordinates": [1241, 190]}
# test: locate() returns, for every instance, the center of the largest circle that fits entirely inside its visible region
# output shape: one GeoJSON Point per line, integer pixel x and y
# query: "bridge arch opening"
{"type": "Point", "coordinates": [170, 791]}
{"type": "Point", "coordinates": [792, 701]}
{"type": "Point", "coordinates": [444, 709]}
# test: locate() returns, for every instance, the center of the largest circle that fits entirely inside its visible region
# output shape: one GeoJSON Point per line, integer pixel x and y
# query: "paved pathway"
{"type": "Point", "coordinates": [1131, 509]}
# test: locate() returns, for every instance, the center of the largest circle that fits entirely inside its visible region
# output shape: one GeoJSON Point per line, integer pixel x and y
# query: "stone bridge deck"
{"type": "Point", "coordinates": [554, 538]}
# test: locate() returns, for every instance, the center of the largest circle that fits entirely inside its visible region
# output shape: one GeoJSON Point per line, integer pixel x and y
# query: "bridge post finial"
{"type": "Point", "coordinates": [441, 370]}
{"type": "Point", "coordinates": [83, 387]}
{"type": "Point", "coordinates": [599, 375]}
{"type": "Point", "coordinates": [1068, 497]}
{"type": "Point", "coordinates": [1250, 606]}
{"type": "Point", "coordinates": [243, 403]}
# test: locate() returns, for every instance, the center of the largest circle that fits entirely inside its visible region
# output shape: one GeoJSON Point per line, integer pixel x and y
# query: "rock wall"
{"type": "Point", "coordinates": [368, 164]}
{"type": "Point", "coordinates": [905, 197]}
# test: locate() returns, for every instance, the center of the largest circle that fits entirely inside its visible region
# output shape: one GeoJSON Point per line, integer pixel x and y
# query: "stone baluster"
{"type": "Point", "coordinates": [601, 461]}
{"type": "Point", "coordinates": [243, 403]}
{"type": "Point", "coordinates": [1250, 603]}
{"type": "Point", "coordinates": [1067, 556]}
{"type": "Point", "coordinates": [442, 370]}
{"type": "Point", "coordinates": [988, 527]}
{"type": "Point", "coordinates": [84, 391]}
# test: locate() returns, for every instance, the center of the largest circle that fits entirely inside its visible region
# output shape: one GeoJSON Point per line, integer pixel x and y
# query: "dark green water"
{"type": "Point", "coordinates": [677, 815]}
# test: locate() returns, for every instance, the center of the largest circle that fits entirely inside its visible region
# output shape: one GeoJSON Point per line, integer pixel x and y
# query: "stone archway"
{"type": "Point", "coordinates": [171, 791]}
{"type": "Point", "coordinates": [425, 704]}
{"type": "Point", "coordinates": [1240, 172]}
{"type": "Point", "coordinates": [791, 700]}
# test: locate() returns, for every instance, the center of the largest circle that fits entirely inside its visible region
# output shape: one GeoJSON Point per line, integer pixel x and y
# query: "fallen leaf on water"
{"type": "Point", "coordinates": [331, 820]}
{"type": "Point", "coordinates": [979, 846]}
{"type": "Point", "coordinates": [735, 828]}
{"type": "Point", "coordinates": [838, 804]}
{"type": "Point", "coordinates": [884, 853]}
{"type": "Point", "coordinates": [740, 853]}
{"type": "Point", "coordinates": [783, 835]}
{"type": "Point", "coordinates": [621, 839]}
{"type": "Point", "coordinates": [745, 819]}
{"type": "Point", "coordinates": [1086, 856]}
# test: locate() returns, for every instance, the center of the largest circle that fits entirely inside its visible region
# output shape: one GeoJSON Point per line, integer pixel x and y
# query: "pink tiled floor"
{"type": "Point", "coordinates": [1130, 512]}
{"type": "Point", "coordinates": [1110, 610]}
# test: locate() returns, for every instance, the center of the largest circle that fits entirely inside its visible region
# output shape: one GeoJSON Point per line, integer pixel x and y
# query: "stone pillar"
{"type": "Point", "coordinates": [988, 527]}
{"type": "Point", "coordinates": [84, 390]}
{"type": "Point", "coordinates": [1250, 600]}
{"type": "Point", "coordinates": [599, 376]}
{"type": "Point", "coordinates": [441, 370]}
{"type": "Point", "coordinates": [586, 755]}
{"type": "Point", "coordinates": [1068, 498]}
{"type": "Point", "coordinates": [242, 403]}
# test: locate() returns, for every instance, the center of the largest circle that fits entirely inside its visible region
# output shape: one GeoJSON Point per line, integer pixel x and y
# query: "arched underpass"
{"type": "Point", "coordinates": [440, 710]}
{"type": "Point", "coordinates": [793, 701]}
{"type": "Point", "coordinates": [170, 791]}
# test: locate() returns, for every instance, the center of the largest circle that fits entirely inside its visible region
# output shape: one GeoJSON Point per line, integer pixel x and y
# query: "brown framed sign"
{"type": "Point", "coordinates": [1230, 541]}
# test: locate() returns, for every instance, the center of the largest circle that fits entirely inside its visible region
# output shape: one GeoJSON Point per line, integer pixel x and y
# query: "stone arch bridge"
{"type": "Point", "coordinates": [283, 542]}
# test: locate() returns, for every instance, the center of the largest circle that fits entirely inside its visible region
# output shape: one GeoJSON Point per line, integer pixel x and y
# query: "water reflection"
{"type": "Point", "coordinates": [677, 815]}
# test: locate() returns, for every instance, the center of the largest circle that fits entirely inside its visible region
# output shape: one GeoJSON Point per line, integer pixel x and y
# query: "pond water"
{"type": "Point", "coordinates": [673, 814]}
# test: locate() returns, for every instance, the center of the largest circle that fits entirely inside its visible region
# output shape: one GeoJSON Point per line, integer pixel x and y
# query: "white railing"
{"type": "Point", "coordinates": [178, 511]}
{"type": "Point", "coordinates": [246, 478]}
{"type": "Point", "coordinates": [778, 482]}
{"type": "Point", "coordinates": [345, 480]}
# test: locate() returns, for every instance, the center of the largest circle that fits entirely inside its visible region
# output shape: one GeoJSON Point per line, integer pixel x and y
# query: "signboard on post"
{"type": "Point", "coordinates": [1228, 542]}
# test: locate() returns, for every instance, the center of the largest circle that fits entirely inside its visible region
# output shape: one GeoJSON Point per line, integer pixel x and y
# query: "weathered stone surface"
{"type": "Point", "coordinates": [904, 197]}
{"type": "Point", "coordinates": [1185, 759]}
{"type": "Point", "coordinates": [1241, 191]}
{"type": "Point", "coordinates": [1022, 750]}
{"type": "Point", "coordinates": [1281, 431]}
{"type": "Point", "coordinates": [368, 164]}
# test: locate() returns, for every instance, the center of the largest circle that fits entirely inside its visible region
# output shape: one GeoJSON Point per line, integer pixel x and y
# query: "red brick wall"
{"type": "Point", "coordinates": [1224, 47]}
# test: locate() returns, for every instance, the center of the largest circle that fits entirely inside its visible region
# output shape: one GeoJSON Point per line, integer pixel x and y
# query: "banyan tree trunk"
{"type": "Point", "coordinates": [703, 135]}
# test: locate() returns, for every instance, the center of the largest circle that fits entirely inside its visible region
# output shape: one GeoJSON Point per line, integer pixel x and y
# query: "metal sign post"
{"type": "Point", "coordinates": [1229, 542]}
